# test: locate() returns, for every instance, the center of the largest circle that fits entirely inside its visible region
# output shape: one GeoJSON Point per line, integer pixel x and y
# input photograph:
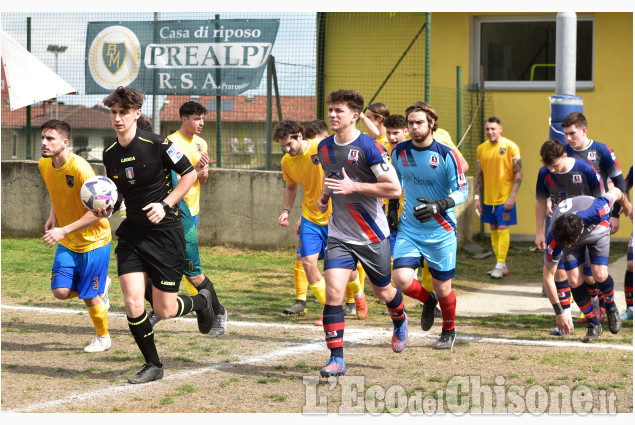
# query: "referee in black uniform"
{"type": "Point", "coordinates": [151, 240]}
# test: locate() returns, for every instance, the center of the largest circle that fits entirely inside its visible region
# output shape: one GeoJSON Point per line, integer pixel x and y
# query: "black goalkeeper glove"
{"type": "Point", "coordinates": [429, 209]}
{"type": "Point", "coordinates": [393, 215]}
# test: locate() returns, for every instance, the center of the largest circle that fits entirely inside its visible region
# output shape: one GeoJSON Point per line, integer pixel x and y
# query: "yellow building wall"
{"type": "Point", "coordinates": [524, 114]}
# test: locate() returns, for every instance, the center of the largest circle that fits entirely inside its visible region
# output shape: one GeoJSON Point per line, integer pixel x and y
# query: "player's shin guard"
{"type": "Point", "coordinates": [99, 316]}
{"type": "Point", "coordinates": [142, 332]}
{"type": "Point", "coordinates": [448, 310]}
{"type": "Point", "coordinates": [417, 291]}
{"type": "Point", "coordinates": [319, 291]}
{"type": "Point", "coordinates": [583, 300]}
{"type": "Point", "coordinates": [300, 281]}
{"type": "Point", "coordinates": [608, 291]}
{"type": "Point", "coordinates": [395, 308]}
{"type": "Point", "coordinates": [503, 245]}
{"type": "Point", "coordinates": [628, 288]}
{"type": "Point", "coordinates": [334, 329]}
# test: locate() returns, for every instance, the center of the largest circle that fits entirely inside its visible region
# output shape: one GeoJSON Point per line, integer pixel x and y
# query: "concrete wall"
{"type": "Point", "coordinates": [238, 208]}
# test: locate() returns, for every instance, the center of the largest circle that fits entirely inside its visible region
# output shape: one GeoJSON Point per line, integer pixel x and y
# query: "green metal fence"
{"type": "Point", "coordinates": [306, 61]}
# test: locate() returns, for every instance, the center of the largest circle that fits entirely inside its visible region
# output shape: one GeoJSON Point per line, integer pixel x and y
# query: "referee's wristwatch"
{"type": "Point", "coordinates": [165, 205]}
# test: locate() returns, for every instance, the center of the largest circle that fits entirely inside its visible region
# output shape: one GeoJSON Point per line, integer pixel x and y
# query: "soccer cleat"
{"type": "Point", "coordinates": [298, 307]}
{"type": "Point", "coordinates": [334, 367]}
{"type": "Point", "coordinates": [601, 315]}
{"type": "Point", "coordinates": [505, 272]}
{"type": "Point", "coordinates": [627, 315]}
{"type": "Point", "coordinates": [320, 321]}
{"type": "Point", "coordinates": [427, 313]}
{"type": "Point", "coordinates": [148, 373]}
{"type": "Point", "coordinates": [615, 322]}
{"type": "Point", "coordinates": [361, 309]}
{"type": "Point", "coordinates": [104, 296]}
{"type": "Point", "coordinates": [593, 332]}
{"type": "Point", "coordinates": [446, 340]}
{"type": "Point", "coordinates": [219, 323]}
{"type": "Point", "coordinates": [153, 318]}
{"type": "Point", "coordinates": [400, 335]}
{"type": "Point", "coordinates": [205, 317]}
{"type": "Point", "coordinates": [349, 310]}
{"type": "Point", "coordinates": [98, 344]}
{"type": "Point", "coordinates": [498, 273]}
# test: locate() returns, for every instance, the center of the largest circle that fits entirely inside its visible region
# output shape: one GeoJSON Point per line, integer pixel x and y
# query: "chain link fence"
{"type": "Point", "coordinates": [313, 53]}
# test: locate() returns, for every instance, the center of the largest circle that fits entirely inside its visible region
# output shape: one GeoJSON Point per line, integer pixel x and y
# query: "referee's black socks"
{"type": "Point", "coordinates": [186, 304]}
{"type": "Point", "coordinates": [216, 305]}
{"type": "Point", "coordinates": [141, 330]}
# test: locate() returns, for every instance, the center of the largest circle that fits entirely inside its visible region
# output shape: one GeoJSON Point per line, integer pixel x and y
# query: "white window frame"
{"type": "Point", "coordinates": [475, 68]}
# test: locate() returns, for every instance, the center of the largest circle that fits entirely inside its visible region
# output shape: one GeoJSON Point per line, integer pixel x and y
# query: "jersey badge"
{"type": "Point", "coordinates": [315, 159]}
{"type": "Point", "coordinates": [613, 156]}
{"type": "Point", "coordinates": [590, 156]}
{"type": "Point", "coordinates": [174, 153]}
{"type": "Point", "coordinates": [577, 179]}
{"type": "Point", "coordinates": [130, 173]}
{"type": "Point", "coordinates": [70, 181]}
{"type": "Point", "coordinates": [502, 151]}
{"type": "Point", "coordinates": [199, 148]}
{"type": "Point", "coordinates": [353, 156]}
{"type": "Point", "coordinates": [434, 161]}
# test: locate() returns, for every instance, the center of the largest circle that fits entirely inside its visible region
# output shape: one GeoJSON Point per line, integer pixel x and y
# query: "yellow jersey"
{"type": "Point", "coordinates": [442, 136]}
{"type": "Point", "coordinates": [305, 169]}
{"type": "Point", "coordinates": [496, 160]}
{"type": "Point", "coordinates": [193, 149]}
{"type": "Point", "coordinates": [64, 185]}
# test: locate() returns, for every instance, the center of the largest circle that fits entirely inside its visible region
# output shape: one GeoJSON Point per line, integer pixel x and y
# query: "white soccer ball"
{"type": "Point", "coordinates": [98, 192]}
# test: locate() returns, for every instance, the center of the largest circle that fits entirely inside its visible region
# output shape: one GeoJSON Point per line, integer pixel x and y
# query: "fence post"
{"type": "Point", "coordinates": [28, 108]}
{"type": "Point", "coordinates": [219, 161]}
{"type": "Point", "coordinates": [268, 130]}
{"type": "Point", "coordinates": [459, 106]}
{"type": "Point", "coordinates": [427, 65]}
{"type": "Point", "coordinates": [319, 70]}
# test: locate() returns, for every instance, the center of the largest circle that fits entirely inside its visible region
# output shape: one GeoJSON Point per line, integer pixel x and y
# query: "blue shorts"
{"type": "Point", "coordinates": [496, 214]}
{"type": "Point", "coordinates": [195, 219]}
{"type": "Point", "coordinates": [313, 238]}
{"type": "Point", "coordinates": [84, 273]}
{"type": "Point", "coordinates": [439, 254]}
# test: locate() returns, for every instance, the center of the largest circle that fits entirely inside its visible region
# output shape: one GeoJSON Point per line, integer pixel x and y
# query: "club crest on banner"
{"type": "Point", "coordinates": [353, 156]}
{"type": "Point", "coordinates": [434, 161]}
{"type": "Point", "coordinates": [114, 57]}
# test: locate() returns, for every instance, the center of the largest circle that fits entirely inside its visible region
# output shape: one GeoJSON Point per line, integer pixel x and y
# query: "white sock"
{"type": "Point", "coordinates": [500, 265]}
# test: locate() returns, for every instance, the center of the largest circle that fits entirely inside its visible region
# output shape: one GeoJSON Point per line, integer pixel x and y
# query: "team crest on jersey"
{"type": "Point", "coordinates": [590, 156]}
{"type": "Point", "coordinates": [315, 159]}
{"type": "Point", "coordinates": [199, 148]}
{"type": "Point", "coordinates": [577, 179]}
{"type": "Point", "coordinates": [70, 181]}
{"type": "Point", "coordinates": [461, 179]}
{"type": "Point", "coordinates": [353, 156]}
{"type": "Point", "coordinates": [130, 173]}
{"type": "Point", "coordinates": [502, 151]}
{"type": "Point", "coordinates": [434, 161]}
{"type": "Point", "coordinates": [175, 153]}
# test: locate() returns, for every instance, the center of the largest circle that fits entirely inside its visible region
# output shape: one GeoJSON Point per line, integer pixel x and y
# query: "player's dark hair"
{"type": "Point", "coordinates": [62, 127]}
{"type": "Point", "coordinates": [574, 118]}
{"type": "Point", "coordinates": [191, 108]}
{"type": "Point", "coordinates": [354, 100]}
{"type": "Point", "coordinates": [396, 121]}
{"type": "Point", "coordinates": [567, 229]}
{"type": "Point", "coordinates": [494, 119]}
{"type": "Point", "coordinates": [426, 109]}
{"type": "Point", "coordinates": [314, 128]}
{"type": "Point", "coordinates": [144, 123]}
{"type": "Point", "coordinates": [550, 151]}
{"type": "Point", "coordinates": [286, 128]}
{"type": "Point", "coordinates": [126, 97]}
{"type": "Point", "coordinates": [379, 109]}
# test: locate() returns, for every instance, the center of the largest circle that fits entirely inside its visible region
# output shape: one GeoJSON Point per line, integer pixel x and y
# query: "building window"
{"type": "Point", "coordinates": [80, 143]}
{"type": "Point", "coordinates": [519, 52]}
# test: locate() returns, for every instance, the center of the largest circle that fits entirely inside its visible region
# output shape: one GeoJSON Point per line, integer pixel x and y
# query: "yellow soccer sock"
{"type": "Point", "coordinates": [503, 245]}
{"type": "Point", "coordinates": [495, 236]}
{"type": "Point", "coordinates": [72, 294]}
{"type": "Point", "coordinates": [99, 316]}
{"type": "Point", "coordinates": [300, 281]}
{"type": "Point", "coordinates": [319, 290]}
{"type": "Point", "coordinates": [191, 289]}
{"type": "Point", "coordinates": [350, 296]}
{"type": "Point", "coordinates": [425, 277]}
{"type": "Point", "coordinates": [355, 289]}
{"type": "Point", "coordinates": [361, 274]}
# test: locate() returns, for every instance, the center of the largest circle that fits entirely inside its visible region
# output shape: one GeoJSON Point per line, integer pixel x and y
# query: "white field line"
{"type": "Point", "coordinates": [352, 335]}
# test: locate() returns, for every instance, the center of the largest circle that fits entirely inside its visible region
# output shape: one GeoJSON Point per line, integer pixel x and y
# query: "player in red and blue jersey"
{"type": "Point", "coordinates": [628, 276]}
{"type": "Point", "coordinates": [434, 182]}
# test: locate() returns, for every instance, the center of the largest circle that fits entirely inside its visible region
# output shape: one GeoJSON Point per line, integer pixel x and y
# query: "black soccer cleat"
{"type": "Point", "coordinates": [446, 340]}
{"type": "Point", "coordinates": [153, 318]}
{"type": "Point", "coordinates": [148, 373]}
{"type": "Point", "coordinates": [205, 317]}
{"type": "Point", "coordinates": [298, 307]}
{"type": "Point", "coordinates": [427, 314]}
{"type": "Point", "coordinates": [615, 321]}
{"type": "Point", "coordinates": [593, 332]}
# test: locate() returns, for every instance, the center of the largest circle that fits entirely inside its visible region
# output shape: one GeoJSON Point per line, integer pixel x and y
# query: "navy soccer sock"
{"type": "Point", "coordinates": [333, 320]}
{"type": "Point", "coordinates": [583, 300]}
{"type": "Point", "coordinates": [395, 308]}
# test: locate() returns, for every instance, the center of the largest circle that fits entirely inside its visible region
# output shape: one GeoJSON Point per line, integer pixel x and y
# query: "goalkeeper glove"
{"type": "Point", "coordinates": [393, 215]}
{"type": "Point", "coordinates": [429, 209]}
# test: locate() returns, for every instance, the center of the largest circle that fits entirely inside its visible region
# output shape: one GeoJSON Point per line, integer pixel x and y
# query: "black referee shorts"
{"type": "Point", "coordinates": [156, 250]}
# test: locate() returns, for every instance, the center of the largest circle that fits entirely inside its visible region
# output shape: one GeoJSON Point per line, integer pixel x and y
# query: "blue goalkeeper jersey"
{"type": "Point", "coordinates": [434, 173]}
